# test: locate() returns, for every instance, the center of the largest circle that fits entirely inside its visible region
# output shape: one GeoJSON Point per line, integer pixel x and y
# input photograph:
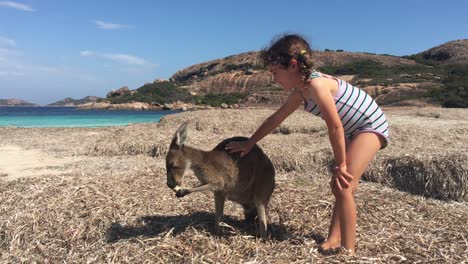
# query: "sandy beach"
{"type": "Point", "coordinates": [99, 194]}
{"type": "Point", "coordinates": [17, 162]}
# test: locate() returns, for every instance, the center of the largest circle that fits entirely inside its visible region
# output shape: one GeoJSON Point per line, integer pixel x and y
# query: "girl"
{"type": "Point", "coordinates": [357, 128]}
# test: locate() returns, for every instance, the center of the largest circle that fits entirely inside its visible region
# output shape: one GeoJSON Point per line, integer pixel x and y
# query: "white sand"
{"type": "Point", "coordinates": [16, 162]}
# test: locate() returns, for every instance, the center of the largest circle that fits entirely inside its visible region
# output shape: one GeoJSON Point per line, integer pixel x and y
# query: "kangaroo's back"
{"type": "Point", "coordinates": [256, 178]}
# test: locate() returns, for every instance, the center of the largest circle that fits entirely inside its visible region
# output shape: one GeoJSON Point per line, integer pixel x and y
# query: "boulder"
{"type": "Point", "coordinates": [94, 105]}
{"type": "Point", "coordinates": [123, 90]}
{"type": "Point", "coordinates": [167, 107]}
{"type": "Point", "coordinates": [109, 106]}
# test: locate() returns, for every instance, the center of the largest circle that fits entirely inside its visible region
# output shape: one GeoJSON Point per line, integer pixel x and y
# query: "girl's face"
{"type": "Point", "coordinates": [287, 77]}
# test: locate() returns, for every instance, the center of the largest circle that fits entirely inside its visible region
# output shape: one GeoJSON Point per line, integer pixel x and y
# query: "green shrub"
{"type": "Point", "coordinates": [364, 68]}
{"type": "Point", "coordinates": [161, 92]}
{"type": "Point", "coordinates": [454, 92]}
{"type": "Point", "coordinates": [218, 99]}
{"type": "Point", "coordinates": [420, 58]}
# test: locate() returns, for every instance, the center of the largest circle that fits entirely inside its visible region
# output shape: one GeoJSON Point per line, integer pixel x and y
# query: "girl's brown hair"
{"type": "Point", "coordinates": [288, 47]}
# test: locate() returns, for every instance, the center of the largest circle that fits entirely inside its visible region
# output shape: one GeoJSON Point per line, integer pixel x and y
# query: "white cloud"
{"type": "Point", "coordinates": [120, 58]}
{"type": "Point", "coordinates": [104, 25]}
{"type": "Point", "coordinates": [13, 66]}
{"type": "Point", "coordinates": [86, 53]}
{"type": "Point", "coordinates": [13, 69]}
{"type": "Point", "coordinates": [11, 73]}
{"type": "Point", "coordinates": [126, 59]}
{"type": "Point", "coordinates": [17, 5]}
{"type": "Point", "coordinates": [10, 66]}
{"type": "Point", "coordinates": [7, 42]}
{"type": "Point", "coordinates": [7, 54]}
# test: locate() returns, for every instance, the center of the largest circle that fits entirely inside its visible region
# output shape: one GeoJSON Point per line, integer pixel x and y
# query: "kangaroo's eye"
{"type": "Point", "coordinates": [173, 166]}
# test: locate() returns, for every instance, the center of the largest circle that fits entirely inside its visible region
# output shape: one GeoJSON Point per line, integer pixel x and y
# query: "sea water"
{"type": "Point", "coordinates": [25, 116]}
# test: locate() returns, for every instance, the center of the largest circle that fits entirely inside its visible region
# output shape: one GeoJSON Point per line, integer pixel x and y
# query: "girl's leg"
{"type": "Point", "coordinates": [334, 232]}
{"type": "Point", "coordinates": [333, 240]}
{"type": "Point", "coordinates": [359, 152]}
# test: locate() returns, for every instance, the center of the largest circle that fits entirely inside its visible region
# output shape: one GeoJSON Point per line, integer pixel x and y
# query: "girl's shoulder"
{"type": "Point", "coordinates": [315, 74]}
{"type": "Point", "coordinates": [324, 82]}
{"type": "Point", "coordinates": [317, 80]}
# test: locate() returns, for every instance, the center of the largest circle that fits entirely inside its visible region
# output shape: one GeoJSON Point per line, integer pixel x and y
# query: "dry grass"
{"type": "Point", "coordinates": [115, 208]}
{"type": "Point", "coordinates": [427, 155]}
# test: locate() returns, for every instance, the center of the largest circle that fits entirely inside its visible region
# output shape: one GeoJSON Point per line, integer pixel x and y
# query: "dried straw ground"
{"type": "Point", "coordinates": [110, 204]}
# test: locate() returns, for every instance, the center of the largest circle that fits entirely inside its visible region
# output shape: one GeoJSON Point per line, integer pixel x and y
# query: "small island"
{"type": "Point", "coordinates": [15, 102]}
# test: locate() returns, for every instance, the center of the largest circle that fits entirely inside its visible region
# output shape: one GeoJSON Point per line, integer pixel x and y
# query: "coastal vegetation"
{"type": "Point", "coordinates": [452, 90]}
{"type": "Point", "coordinates": [157, 92]}
{"type": "Point", "coordinates": [454, 79]}
{"type": "Point", "coordinates": [206, 71]}
{"type": "Point", "coordinates": [213, 99]}
{"type": "Point", "coordinates": [74, 102]}
{"type": "Point", "coordinates": [441, 84]}
{"type": "Point", "coordinates": [169, 92]}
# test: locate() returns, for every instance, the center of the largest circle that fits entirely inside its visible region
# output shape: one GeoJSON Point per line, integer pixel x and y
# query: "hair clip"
{"type": "Point", "coordinates": [303, 52]}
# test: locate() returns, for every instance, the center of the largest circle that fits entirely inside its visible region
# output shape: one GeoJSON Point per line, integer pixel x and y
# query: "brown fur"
{"type": "Point", "coordinates": [248, 181]}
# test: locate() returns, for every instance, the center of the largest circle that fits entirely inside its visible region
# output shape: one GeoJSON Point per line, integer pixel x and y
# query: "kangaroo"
{"type": "Point", "coordinates": [249, 180]}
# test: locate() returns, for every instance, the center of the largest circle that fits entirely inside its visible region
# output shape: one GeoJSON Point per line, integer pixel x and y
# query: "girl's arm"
{"type": "Point", "coordinates": [324, 100]}
{"type": "Point", "coordinates": [292, 103]}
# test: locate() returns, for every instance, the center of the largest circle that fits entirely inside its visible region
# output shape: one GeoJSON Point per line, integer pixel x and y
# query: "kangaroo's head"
{"type": "Point", "coordinates": [176, 160]}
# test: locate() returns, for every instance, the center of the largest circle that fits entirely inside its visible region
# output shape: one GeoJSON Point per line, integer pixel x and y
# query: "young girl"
{"type": "Point", "coordinates": [357, 128]}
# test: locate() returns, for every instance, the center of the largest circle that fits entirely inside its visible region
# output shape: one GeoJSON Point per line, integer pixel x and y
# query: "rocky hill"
{"type": "Point", "coordinates": [15, 102]}
{"type": "Point", "coordinates": [438, 76]}
{"type": "Point", "coordinates": [242, 73]}
{"type": "Point", "coordinates": [453, 52]}
{"type": "Point", "coordinates": [75, 102]}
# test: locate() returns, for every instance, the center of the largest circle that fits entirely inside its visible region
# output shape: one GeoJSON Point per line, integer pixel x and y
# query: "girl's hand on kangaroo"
{"type": "Point", "coordinates": [239, 146]}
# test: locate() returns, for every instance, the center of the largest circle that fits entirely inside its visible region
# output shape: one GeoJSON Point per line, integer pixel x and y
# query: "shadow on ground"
{"type": "Point", "coordinates": [151, 226]}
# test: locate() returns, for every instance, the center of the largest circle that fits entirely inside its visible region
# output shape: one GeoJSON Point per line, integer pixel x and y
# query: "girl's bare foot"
{"type": "Point", "coordinates": [330, 246]}
{"type": "Point", "coordinates": [334, 248]}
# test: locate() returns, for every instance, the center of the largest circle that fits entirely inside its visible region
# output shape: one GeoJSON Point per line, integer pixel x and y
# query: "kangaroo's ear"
{"type": "Point", "coordinates": [180, 135]}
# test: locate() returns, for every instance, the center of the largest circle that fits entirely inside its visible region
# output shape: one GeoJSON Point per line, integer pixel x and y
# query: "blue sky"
{"type": "Point", "coordinates": [51, 49]}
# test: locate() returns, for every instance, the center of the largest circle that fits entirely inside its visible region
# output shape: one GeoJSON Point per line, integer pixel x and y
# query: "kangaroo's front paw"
{"type": "Point", "coordinates": [182, 192]}
{"type": "Point", "coordinates": [221, 230]}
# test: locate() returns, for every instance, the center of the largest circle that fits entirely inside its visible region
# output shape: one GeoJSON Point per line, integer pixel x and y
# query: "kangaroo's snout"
{"type": "Point", "coordinates": [172, 184]}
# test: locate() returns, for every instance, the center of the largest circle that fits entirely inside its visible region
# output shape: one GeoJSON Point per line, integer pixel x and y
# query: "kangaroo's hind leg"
{"type": "Point", "coordinates": [219, 210]}
{"type": "Point", "coordinates": [261, 211]}
{"type": "Point", "coordinates": [250, 212]}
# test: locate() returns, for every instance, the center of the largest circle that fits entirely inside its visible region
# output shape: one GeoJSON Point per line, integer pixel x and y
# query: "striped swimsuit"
{"type": "Point", "coordinates": [357, 110]}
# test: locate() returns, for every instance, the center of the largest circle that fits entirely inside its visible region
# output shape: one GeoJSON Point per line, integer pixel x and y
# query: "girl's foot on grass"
{"type": "Point", "coordinates": [330, 247]}
{"type": "Point", "coordinates": [339, 251]}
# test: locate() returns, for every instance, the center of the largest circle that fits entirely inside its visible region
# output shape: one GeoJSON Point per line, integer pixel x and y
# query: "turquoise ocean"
{"type": "Point", "coordinates": [25, 116]}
